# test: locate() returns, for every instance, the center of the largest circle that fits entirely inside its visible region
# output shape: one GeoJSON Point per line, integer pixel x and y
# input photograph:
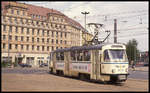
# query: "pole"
{"type": "Point", "coordinates": [115, 30]}
{"type": "Point", "coordinates": [85, 13]}
{"type": "Point", "coordinates": [135, 55]}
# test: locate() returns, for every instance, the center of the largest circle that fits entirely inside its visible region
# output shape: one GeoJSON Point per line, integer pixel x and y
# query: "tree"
{"type": "Point", "coordinates": [132, 51]}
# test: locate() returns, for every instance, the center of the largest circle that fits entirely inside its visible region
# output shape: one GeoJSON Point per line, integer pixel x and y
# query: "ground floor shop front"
{"type": "Point", "coordinates": [35, 60]}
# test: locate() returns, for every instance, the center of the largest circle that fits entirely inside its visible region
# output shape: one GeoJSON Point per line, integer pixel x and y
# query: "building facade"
{"type": "Point", "coordinates": [29, 33]}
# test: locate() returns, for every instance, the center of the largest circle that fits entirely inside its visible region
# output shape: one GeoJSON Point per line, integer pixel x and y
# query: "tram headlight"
{"type": "Point", "coordinates": [113, 70]}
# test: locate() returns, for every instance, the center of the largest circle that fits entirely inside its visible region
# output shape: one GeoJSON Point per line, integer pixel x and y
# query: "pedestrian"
{"type": "Point", "coordinates": [133, 65]}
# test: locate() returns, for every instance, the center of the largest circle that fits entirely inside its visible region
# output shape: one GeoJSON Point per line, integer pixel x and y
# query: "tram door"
{"type": "Point", "coordinates": [95, 64]}
{"type": "Point", "coordinates": [67, 59]}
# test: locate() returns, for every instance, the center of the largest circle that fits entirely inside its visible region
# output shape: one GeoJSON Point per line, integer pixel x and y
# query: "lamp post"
{"type": "Point", "coordinates": [85, 13]}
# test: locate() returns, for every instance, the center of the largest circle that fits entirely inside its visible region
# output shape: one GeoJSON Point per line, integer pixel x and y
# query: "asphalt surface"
{"type": "Point", "coordinates": [139, 75]}
{"type": "Point", "coordinates": [132, 74]}
{"type": "Point", "coordinates": [25, 70]}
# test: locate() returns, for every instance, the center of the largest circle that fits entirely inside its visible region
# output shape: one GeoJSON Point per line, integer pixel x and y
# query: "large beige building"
{"type": "Point", "coordinates": [33, 31]}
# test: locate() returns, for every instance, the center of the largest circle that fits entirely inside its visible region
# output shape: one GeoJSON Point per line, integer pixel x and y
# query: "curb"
{"type": "Point", "coordinates": [138, 79]}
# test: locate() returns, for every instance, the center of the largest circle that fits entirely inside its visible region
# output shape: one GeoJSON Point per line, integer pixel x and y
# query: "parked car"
{"type": "Point", "coordinates": [146, 64]}
{"type": "Point", "coordinates": [44, 65]}
{"type": "Point", "coordinates": [25, 65]}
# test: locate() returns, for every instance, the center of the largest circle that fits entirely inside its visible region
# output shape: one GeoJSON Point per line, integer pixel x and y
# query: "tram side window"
{"type": "Point", "coordinates": [57, 56]}
{"type": "Point", "coordinates": [87, 55]}
{"type": "Point", "coordinates": [61, 55]}
{"type": "Point", "coordinates": [73, 55]}
{"type": "Point", "coordinates": [79, 55]}
{"type": "Point", "coordinates": [106, 56]}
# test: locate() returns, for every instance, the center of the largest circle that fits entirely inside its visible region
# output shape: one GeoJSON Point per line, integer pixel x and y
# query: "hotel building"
{"type": "Point", "coordinates": [29, 33]}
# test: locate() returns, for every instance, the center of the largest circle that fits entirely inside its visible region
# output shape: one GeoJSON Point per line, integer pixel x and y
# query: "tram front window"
{"type": "Point", "coordinates": [118, 55]}
{"type": "Point", "coordinates": [106, 56]}
{"type": "Point", "coordinates": [115, 55]}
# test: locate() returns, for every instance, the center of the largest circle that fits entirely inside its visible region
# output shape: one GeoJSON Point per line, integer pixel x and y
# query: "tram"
{"type": "Point", "coordinates": [102, 62]}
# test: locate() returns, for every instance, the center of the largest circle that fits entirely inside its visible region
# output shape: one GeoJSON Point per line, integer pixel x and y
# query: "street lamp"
{"type": "Point", "coordinates": [85, 13]}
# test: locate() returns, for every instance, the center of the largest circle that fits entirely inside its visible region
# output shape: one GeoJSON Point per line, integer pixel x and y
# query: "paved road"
{"type": "Point", "coordinates": [25, 70]}
{"type": "Point", "coordinates": [139, 75]}
{"type": "Point", "coordinates": [133, 74]}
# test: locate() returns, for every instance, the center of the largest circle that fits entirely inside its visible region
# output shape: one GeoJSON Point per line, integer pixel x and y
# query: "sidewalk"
{"type": "Point", "coordinates": [140, 68]}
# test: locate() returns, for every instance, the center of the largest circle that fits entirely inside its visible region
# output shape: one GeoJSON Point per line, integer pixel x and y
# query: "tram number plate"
{"type": "Point", "coordinates": [122, 76]}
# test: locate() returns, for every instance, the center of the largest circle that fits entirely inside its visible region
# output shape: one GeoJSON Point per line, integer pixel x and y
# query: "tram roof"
{"type": "Point", "coordinates": [91, 47]}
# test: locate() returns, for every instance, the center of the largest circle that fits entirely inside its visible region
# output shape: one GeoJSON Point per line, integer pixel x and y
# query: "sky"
{"type": "Point", "coordinates": [132, 18]}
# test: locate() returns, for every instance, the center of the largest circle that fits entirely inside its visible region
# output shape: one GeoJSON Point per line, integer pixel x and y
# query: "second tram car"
{"type": "Point", "coordinates": [103, 62]}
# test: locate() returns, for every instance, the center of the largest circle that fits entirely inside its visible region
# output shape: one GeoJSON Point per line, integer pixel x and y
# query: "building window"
{"type": "Point", "coordinates": [21, 38]}
{"type": "Point", "coordinates": [52, 48]}
{"type": "Point", "coordinates": [43, 40]}
{"type": "Point", "coordinates": [42, 48]}
{"type": "Point", "coordinates": [32, 31]}
{"type": "Point", "coordinates": [43, 32]}
{"type": "Point", "coordinates": [16, 38]}
{"type": "Point", "coordinates": [38, 32]}
{"type": "Point", "coordinates": [52, 34]}
{"type": "Point", "coordinates": [17, 12]}
{"type": "Point", "coordinates": [56, 41]}
{"type": "Point", "coordinates": [4, 27]}
{"type": "Point", "coordinates": [27, 30]}
{"type": "Point", "coordinates": [48, 40]}
{"type": "Point", "coordinates": [22, 30]}
{"type": "Point", "coordinates": [23, 13]}
{"type": "Point", "coordinates": [21, 21]}
{"type": "Point", "coordinates": [48, 48]}
{"type": "Point", "coordinates": [56, 34]}
{"type": "Point", "coordinates": [65, 34]}
{"type": "Point", "coordinates": [27, 48]}
{"type": "Point", "coordinates": [61, 41]}
{"type": "Point", "coordinates": [61, 20]}
{"type": "Point", "coordinates": [48, 33]}
{"type": "Point", "coordinates": [4, 37]}
{"type": "Point", "coordinates": [37, 39]}
{"type": "Point", "coordinates": [21, 47]}
{"type": "Point", "coordinates": [10, 19]}
{"type": "Point", "coordinates": [10, 29]}
{"type": "Point", "coordinates": [65, 42]}
{"type": "Point", "coordinates": [27, 21]}
{"type": "Point", "coordinates": [16, 20]}
{"type": "Point", "coordinates": [10, 37]}
{"type": "Point", "coordinates": [32, 47]}
{"type": "Point", "coordinates": [10, 46]}
{"type": "Point", "coordinates": [27, 39]}
{"type": "Point", "coordinates": [4, 45]}
{"type": "Point", "coordinates": [37, 22]}
{"type": "Point", "coordinates": [61, 34]}
{"type": "Point", "coordinates": [32, 39]}
{"type": "Point", "coordinates": [16, 29]}
{"type": "Point", "coordinates": [12, 11]}
{"type": "Point", "coordinates": [52, 41]}
{"type": "Point", "coordinates": [56, 47]}
{"type": "Point", "coordinates": [16, 46]}
{"type": "Point", "coordinates": [38, 48]}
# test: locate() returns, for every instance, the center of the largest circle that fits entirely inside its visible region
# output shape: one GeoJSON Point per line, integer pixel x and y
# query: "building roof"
{"type": "Point", "coordinates": [42, 11]}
